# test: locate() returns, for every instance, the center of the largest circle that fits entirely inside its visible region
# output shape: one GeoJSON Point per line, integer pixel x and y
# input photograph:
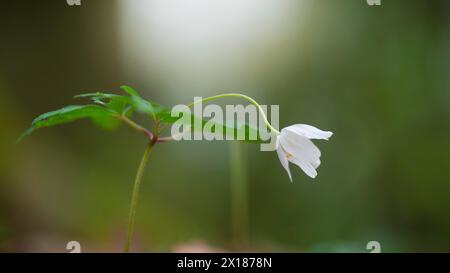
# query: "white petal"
{"type": "Point", "coordinates": [302, 152]}
{"type": "Point", "coordinates": [306, 166]}
{"type": "Point", "coordinates": [316, 163]}
{"type": "Point", "coordinates": [299, 146]}
{"type": "Point", "coordinates": [309, 131]}
{"type": "Point", "coordinates": [284, 161]}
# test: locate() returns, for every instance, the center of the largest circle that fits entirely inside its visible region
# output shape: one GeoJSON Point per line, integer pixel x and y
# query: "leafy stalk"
{"type": "Point", "coordinates": [109, 110]}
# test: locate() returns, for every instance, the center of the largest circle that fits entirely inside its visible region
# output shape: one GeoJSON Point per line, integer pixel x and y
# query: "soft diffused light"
{"type": "Point", "coordinates": [189, 43]}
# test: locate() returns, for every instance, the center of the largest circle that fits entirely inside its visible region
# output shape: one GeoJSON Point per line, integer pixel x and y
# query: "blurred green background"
{"type": "Point", "coordinates": [378, 77]}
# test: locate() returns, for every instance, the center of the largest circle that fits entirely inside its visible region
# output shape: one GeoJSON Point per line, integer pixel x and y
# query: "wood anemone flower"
{"type": "Point", "coordinates": [294, 145]}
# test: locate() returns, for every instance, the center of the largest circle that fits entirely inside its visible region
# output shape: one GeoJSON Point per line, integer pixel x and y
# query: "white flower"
{"type": "Point", "coordinates": [294, 145]}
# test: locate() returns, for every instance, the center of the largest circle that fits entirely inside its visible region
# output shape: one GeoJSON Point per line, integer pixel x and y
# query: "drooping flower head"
{"type": "Point", "coordinates": [294, 145]}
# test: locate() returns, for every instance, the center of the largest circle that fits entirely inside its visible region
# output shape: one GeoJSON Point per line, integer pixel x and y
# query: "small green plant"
{"type": "Point", "coordinates": [110, 110]}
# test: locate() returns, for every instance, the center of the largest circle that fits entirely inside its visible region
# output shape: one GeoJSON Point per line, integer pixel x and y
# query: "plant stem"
{"type": "Point", "coordinates": [135, 195]}
{"type": "Point", "coordinates": [225, 95]}
{"type": "Point", "coordinates": [239, 193]}
{"type": "Point", "coordinates": [136, 126]}
{"type": "Point", "coordinates": [242, 96]}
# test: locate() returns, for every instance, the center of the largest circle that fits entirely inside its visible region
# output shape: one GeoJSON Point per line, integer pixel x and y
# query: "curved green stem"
{"type": "Point", "coordinates": [135, 195]}
{"type": "Point", "coordinates": [239, 96]}
{"type": "Point", "coordinates": [247, 98]}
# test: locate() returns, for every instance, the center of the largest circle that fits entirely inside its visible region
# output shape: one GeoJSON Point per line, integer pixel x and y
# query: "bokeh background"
{"type": "Point", "coordinates": [378, 77]}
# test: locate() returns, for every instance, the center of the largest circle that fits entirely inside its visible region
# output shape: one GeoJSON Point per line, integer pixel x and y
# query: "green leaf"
{"type": "Point", "coordinates": [130, 91]}
{"type": "Point", "coordinates": [143, 106]}
{"type": "Point", "coordinates": [106, 122]}
{"type": "Point", "coordinates": [97, 95]}
{"type": "Point", "coordinates": [112, 101]}
{"type": "Point", "coordinates": [68, 114]}
{"type": "Point", "coordinates": [123, 104]}
{"type": "Point", "coordinates": [136, 102]}
{"type": "Point", "coordinates": [119, 104]}
{"type": "Point", "coordinates": [165, 116]}
{"type": "Point", "coordinates": [140, 104]}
